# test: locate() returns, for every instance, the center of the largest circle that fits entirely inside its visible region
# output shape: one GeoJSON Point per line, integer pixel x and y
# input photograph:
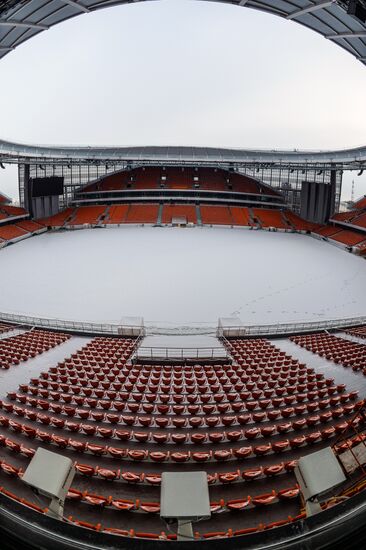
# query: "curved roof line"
{"type": "Point", "coordinates": [20, 21]}
{"type": "Point", "coordinates": [18, 153]}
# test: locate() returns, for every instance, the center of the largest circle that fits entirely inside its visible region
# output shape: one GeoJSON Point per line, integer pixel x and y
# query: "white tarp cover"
{"type": "Point", "coordinates": [181, 276]}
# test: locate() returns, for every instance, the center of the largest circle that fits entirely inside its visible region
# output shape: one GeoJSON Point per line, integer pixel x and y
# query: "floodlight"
{"type": "Point", "coordinates": [316, 474]}
{"type": "Point", "coordinates": [184, 498]}
{"type": "Point", "coordinates": [51, 475]}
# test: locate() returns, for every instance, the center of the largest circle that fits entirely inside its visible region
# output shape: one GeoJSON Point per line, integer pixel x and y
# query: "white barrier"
{"type": "Point", "coordinates": [79, 327]}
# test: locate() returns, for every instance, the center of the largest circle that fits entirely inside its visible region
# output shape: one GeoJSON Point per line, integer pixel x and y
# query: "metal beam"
{"type": "Point", "coordinates": [6, 48]}
{"type": "Point", "coordinates": [360, 34]}
{"type": "Point", "coordinates": [310, 9]}
{"type": "Point", "coordinates": [78, 5]}
{"type": "Point", "coordinates": [26, 24]}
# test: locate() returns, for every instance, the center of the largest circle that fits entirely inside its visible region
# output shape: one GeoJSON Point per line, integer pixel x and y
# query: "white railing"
{"type": "Point", "coordinates": [163, 353]}
{"type": "Point", "coordinates": [288, 328]}
{"type": "Point", "coordinates": [79, 327]}
{"type": "Point", "coordinates": [83, 327]}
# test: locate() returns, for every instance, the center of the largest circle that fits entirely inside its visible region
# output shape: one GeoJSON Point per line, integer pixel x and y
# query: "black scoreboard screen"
{"type": "Point", "coordinates": [47, 187]}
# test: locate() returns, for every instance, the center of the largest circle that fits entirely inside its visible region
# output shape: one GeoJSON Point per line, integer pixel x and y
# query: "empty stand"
{"type": "Point", "coordinates": [58, 220]}
{"type": "Point", "coordinates": [327, 230]}
{"type": "Point", "coordinates": [184, 178]}
{"type": "Point", "coordinates": [30, 226]}
{"type": "Point", "coordinates": [5, 327]}
{"type": "Point", "coordinates": [349, 238]}
{"type": "Point", "coordinates": [10, 232]}
{"type": "Point", "coordinates": [117, 214]}
{"type": "Point", "coordinates": [245, 424]}
{"type": "Point", "coordinates": [271, 218]}
{"type": "Point", "coordinates": [240, 216]}
{"type": "Point", "coordinates": [142, 213]}
{"type": "Point", "coordinates": [333, 348]}
{"type": "Point", "coordinates": [87, 215]}
{"type": "Point", "coordinates": [216, 215]}
{"type": "Point", "coordinates": [298, 223]}
{"type": "Point", "coordinates": [360, 332]}
{"type": "Point", "coordinates": [29, 344]}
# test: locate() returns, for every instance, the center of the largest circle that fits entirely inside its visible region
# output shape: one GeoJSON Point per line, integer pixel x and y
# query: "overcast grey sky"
{"type": "Point", "coordinates": [182, 72]}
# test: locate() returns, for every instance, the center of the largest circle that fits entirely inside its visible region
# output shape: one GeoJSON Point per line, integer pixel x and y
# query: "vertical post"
{"type": "Point", "coordinates": [185, 530]}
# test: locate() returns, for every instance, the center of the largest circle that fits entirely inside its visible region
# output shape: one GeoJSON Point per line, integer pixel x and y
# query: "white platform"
{"type": "Point", "coordinates": [181, 276]}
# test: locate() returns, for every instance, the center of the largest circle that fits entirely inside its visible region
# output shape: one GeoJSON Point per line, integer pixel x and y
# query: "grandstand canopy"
{"type": "Point", "coordinates": [345, 159]}
{"type": "Point", "coordinates": [20, 20]}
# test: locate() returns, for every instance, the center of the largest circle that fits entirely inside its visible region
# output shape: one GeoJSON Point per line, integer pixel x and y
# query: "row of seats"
{"type": "Point", "coordinates": [11, 231]}
{"type": "Point", "coordinates": [8, 211]}
{"type": "Point", "coordinates": [149, 214]}
{"type": "Point", "coordinates": [175, 404]}
{"type": "Point", "coordinates": [151, 507]}
{"type": "Point", "coordinates": [255, 385]}
{"type": "Point", "coordinates": [138, 505]}
{"type": "Point", "coordinates": [181, 423]}
{"type": "Point", "coordinates": [138, 455]}
{"type": "Point", "coordinates": [18, 230]}
{"type": "Point", "coordinates": [27, 345]}
{"type": "Point", "coordinates": [87, 470]}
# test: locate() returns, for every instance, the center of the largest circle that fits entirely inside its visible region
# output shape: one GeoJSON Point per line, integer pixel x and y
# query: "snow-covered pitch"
{"type": "Point", "coordinates": [181, 276]}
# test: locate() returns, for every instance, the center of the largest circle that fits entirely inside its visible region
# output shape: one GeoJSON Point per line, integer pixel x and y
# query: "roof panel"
{"type": "Point", "coordinates": [17, 153]}
{"type": "Point", "coordinates": [323, 16]}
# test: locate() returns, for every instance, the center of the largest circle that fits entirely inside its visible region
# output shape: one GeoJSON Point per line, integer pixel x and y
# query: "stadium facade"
{"type": "Point", "coordinates": [251, 412]}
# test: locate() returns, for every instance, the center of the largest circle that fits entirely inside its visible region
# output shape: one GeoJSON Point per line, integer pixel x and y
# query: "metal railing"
{"type": "Point", "coordinates": [217, 352]}
{"type": "Point", "coordinates": [80, 327]}
{"type": "Point", "coordinates": [288, 328]}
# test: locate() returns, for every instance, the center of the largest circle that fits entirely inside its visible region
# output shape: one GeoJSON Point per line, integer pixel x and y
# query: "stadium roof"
{"type": "Point", "coordinates": [20, 153]}
{"type": "Point", "coordinates": [22, 19]}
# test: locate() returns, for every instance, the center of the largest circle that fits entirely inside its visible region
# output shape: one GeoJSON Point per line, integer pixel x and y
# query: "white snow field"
{"type": "Point", "coordinates": [181, 276]}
